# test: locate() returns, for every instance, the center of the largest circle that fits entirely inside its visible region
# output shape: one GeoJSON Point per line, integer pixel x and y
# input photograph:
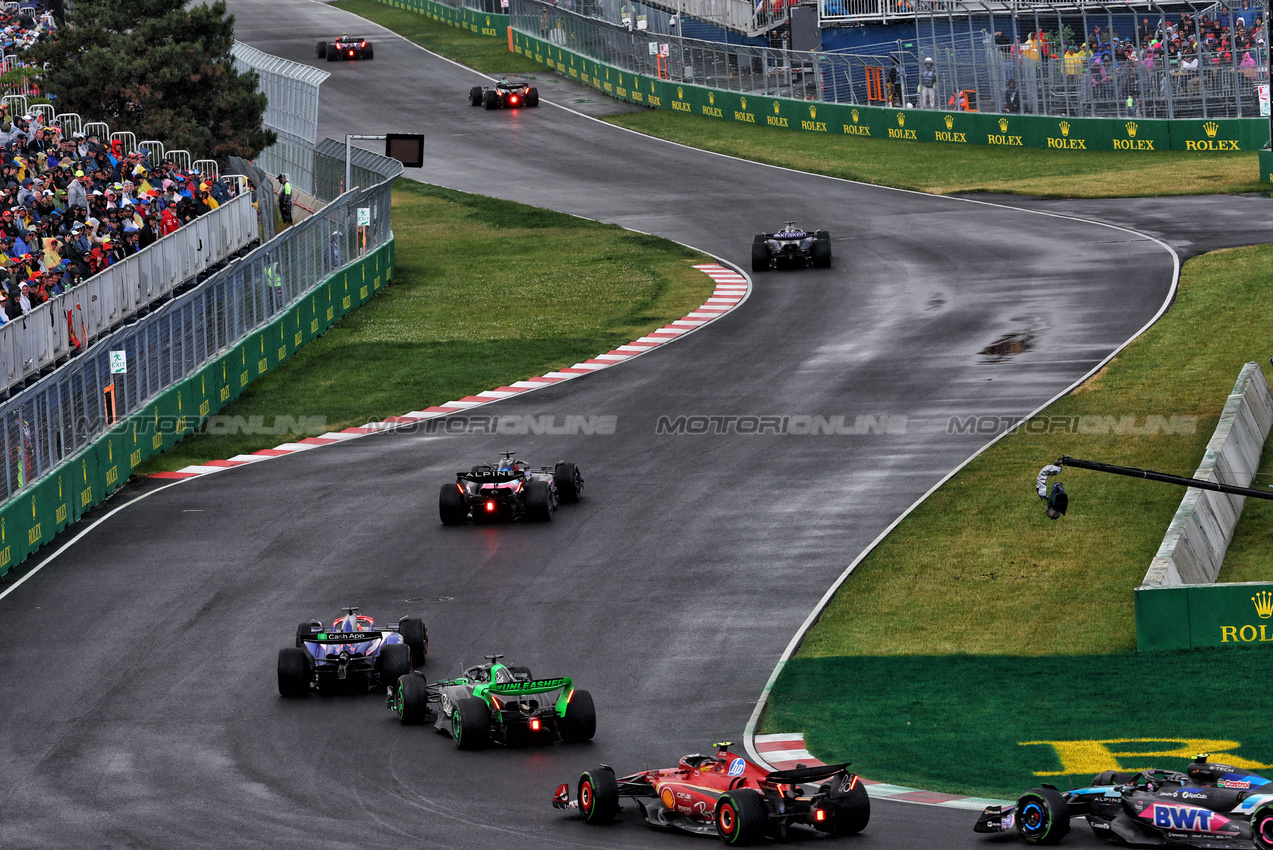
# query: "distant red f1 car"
{"type": "Point", "coordinates": [727, 796]}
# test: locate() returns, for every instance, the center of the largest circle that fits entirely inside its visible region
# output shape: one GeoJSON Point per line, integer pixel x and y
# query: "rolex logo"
{"type": "Point", "coordinates": [1131, 129]}
{"type": "Point", "coordinates": [488, 20]}
{"type": "Point", "coordinates": [775, 107]}
{"type": "Point", "coordinates": [854, 113]}
{"type": "Point", "coordinates": [1263, 604]}
{"type": "Point", "coordinates": [680, 93]}
{"type": "Point", "coordinates": [744, 103]}
{"type": "Point", "coordinates": [711, 97]}
{"type": "Point", "coordinates": [950, 122]}
{"type": "Point", "coordinates": [901, 119]}
{"type": "Point", "coordinates": [813, 112]}
{"type": "Point", "coordinates": [1211, 127]}
{"type": "Point", "coordinates": [1003, 125]}
{"type": "Point", "coordinates": [1065, 128]}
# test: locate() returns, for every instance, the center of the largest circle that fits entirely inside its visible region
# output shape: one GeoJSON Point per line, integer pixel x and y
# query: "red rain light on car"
{"type": "Point", "coordinates": [512, 98]}
{"type": "Point", "coordinates": [534, 724]}
{"type": "Point", "coordinates": [490, 506]}
{"type": "Point", "coordinates": [351, 53]}
{"type": "Point", "coordinates": [819, 815]}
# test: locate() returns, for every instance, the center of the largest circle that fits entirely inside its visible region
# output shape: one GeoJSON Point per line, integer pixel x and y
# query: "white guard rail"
{"type": "Point", "coordinates": [41, 338]}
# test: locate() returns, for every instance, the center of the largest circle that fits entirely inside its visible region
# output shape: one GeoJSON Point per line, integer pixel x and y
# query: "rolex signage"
{"type": "Point", "coordinates": [1221, 615]}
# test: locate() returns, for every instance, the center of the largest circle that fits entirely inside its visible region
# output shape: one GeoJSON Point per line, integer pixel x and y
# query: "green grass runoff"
{"type": "Point", "coordinates": [482, 53]}
{"type": "Point", "coordinates": [982, 725]}
{"type": "Point", "coordinates": [486, 292]}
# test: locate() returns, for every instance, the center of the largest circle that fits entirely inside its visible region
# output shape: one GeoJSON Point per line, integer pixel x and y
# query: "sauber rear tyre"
{"type": "Point", "coordinates": [322, 50]}
{"type": "Point", "coordinates": [471, 724]}
{"type": "Point", "coordinates": [294, 672]}
{"type": "Point", "coordinates": [1262, 827]}
{"type": "Point", "coordinates": [598, 795]}
{"type": "Point", "coordinates": [395, 662]}
{"type": "Point", "coordinates": [850, 810]}
{"type": "Point", "coordinates": [742, 817]}
{"type": "Point", "coordinates": [411, 700]}
{"type": "Point", "coordinates": [451, 505]}
{"type": "Point", "coordinates": [820, 252]}
{"type": "Point", "coordinates": [1042, 816]}
{"type": "Point", "coordinates": [416, 637]}
{"type": "Point", "coordinates": [490, 100]}
{"type": "Point", "coordinates": [759, 254]}
{"type": "Point", "coordinates": [579, 723]}
{"type": "Point", "coordinates": [532, 96]}
{"type": "Point", "coordinates": [569, 482]}
{"type": "Point", "coordinates": [539, 502]}
{"type": "Point", "coordinates": [475, 96]}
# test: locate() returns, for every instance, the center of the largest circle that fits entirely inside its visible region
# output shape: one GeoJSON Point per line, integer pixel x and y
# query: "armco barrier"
{"type": "Point", "coordinates": [915, 125]}
{"type": "Point", "coordinates": [49, 505]}
{"type": "Point", "coordinates": [1176, 606]}
{"type": "Point", "coordinates": [482, 23]}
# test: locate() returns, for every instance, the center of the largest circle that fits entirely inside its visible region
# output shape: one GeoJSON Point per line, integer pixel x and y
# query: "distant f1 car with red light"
{"type": "Point", "coordinates": [346, 47]}
{"type": "Point", "coordinates": [791, 248]}
{"type": "Point", "coordinates": [354, 654]}
{"type": "Point", "coordinates": [507, 93]}
{"type": "Point", "coordinates": [509, 490]}
{"type": "Point", "coordinates": [727, 796]}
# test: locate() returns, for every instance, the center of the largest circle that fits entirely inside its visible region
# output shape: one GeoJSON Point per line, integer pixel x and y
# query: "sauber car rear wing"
{"type": "Point", "coordinates": [535, 686]}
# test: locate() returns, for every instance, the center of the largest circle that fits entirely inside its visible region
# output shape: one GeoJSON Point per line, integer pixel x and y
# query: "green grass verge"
{"type": "Point", "coordinates": [964, 724]}
{"type": "Point", "coordinates": [483, 53]}
{"type": "Point", "coordinates": [978, 568]}
{"type": "Point", "coordinates": [486, 292]}
{"type": "Point", "coordinates": [939, 169]}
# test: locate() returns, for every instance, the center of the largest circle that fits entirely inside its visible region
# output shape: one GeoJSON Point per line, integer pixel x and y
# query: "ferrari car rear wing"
{"type": "Point", "coordinates": [806, 775]}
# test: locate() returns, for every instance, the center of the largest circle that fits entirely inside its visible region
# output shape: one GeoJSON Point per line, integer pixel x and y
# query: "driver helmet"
{"type": "Point", "coordinates": [507, 466]}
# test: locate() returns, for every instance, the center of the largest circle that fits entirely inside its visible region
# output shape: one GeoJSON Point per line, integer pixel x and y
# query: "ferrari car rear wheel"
{"type": "Point", "coordinates": [395, 661]}
{"type": "Point", "coordinates": [851, 811]}
{"type": "Point", "coordinates": [532, 96]}
{"type": "Point", "coordinates": [471, 724]}
{"type": "Point", "coordinates": [569, 482]}
{"type": "Point", "coordinates": [411, 700]}
{"type": "Point", "coordinates": [598, 795]}
{"type": "Point", "coordinates": [451, 505]}
{"type": "Point", "coordinates": [322, 50]}
{"type": "Point", "coordinates": [1042, 816]}
{"type": "Point", "coordinates": [415, 635]}
{"type": "Point", "coordinates": [490, 100]}
{"type": "Point", "coordinates": [580, 720]}
{"type": "Point", "coordinates": [759, 254]}
{"type": "Point", "coordinates": [475, 96]}
{"type": "Point", "coordinates": [1262, 827]}
{"type": "Point", "coordinates": [741, 817]}
{"type": "Point", "coordinates": [294, 672]}
{"type": "Point", "coordinates": [539, 502]}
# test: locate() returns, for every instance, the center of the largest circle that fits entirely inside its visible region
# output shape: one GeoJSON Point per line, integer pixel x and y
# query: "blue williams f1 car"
{"type": "Point", "coordinates": [791, 248]}
{"type": "Point", "coordinates": [1210, 805]}
{"type": "Point", "coordinates": [353, 655]}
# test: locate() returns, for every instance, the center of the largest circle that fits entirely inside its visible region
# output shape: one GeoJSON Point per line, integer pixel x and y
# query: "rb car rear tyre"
{"type": "Point", "coordinates": [475, 96]}
{"type": "Point", "coordinates": [579, 723]}
{"type": "Point", "coordinates": [322, 50]}
{"type": "Point", "coordinates": [332, 55]}
{"type": "Point", "coordinates": [1262, 827]}
{"type": "Point", "coordinates": [742, 817]}
{"type": "Point", "coordinates": [1042, 816]}
{"type": "Point", "coordinates": [539, 502]}
{"type": "Point", "coordinates": [295, 671]}
{"type": "Point", "coordinates": [598, 796]}
{"type": "Point", "coordinates": [411, 700]}
{"type": "Point", "coordinates": [395, 662]}
{"type": "Point", "coordinates": [416, 637]}
{"type": "Point", "coordinates": [451, 507]}
{"type": "Point", "coordinates": [759, 255]}
{"type": "Point", "coordinates": [471, 724]}
{"type": "Point", "coordinates": [369, 52]}
{"type": "Point", "coordinates": [569, 482]}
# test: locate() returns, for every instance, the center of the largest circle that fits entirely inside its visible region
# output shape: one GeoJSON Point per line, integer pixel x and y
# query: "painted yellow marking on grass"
{"type": "Point", "coordinates": [1080, 757]}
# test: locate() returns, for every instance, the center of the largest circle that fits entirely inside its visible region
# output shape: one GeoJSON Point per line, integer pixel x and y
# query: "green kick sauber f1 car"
{"type": "Point", "coordinates": [496, 703]}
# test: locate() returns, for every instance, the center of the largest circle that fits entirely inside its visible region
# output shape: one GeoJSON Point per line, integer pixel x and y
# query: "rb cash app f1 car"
{"type": "Point", "coordinates": [353, 655]}
{"type": "Point", "coordinates": [497, 703]}
{"type": "Point", "coordinates": [1210, 805]}
{"type": "Point", "coordinates": [727, 796]}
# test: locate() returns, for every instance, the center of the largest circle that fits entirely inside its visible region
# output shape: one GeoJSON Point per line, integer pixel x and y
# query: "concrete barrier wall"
{"type": "Point", "coordinates": [1194, 546]}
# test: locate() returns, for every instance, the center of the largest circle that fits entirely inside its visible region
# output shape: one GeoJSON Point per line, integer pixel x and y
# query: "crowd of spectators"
{"type": "Point", "coordinates": [73, 205]}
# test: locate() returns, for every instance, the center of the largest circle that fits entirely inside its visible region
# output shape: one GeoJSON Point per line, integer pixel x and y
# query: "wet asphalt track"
{"type": "Point", "coordinates": [139, 701]}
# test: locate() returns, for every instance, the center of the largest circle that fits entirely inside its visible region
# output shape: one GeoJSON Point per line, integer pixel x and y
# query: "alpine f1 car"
{"type": "Point", "coordinates": [354, 654]}
{"type": "Point", "coordinates": [497, 703]}
{"type": "Point", "coordinates": [1210, 805]}
{"type": "Point", "coordinates": [727, 796]}
{"type": "Point", "coordinates": [509, 490]}
{"type": "Point", "coordinates": [791, 248]}
{"type": "Point", "coordinates": [346, 47]}
{"type": "Point", "coordinates": [507, 93]}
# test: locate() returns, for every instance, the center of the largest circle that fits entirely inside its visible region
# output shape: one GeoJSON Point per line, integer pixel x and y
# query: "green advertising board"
{"type": "Point", "coordinates": [481, 23]}
{"type": "Point", "coordinates": [1195, 615]}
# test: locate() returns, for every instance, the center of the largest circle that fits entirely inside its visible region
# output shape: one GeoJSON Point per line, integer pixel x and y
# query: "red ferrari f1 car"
{"type": "Point", "coordinates": [727, 796]}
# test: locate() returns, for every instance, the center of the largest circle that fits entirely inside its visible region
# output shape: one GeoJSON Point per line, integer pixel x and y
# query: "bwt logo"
{"type": "Point", "coordinates": [798, 425]}
{"type": "Point", "coordinates": [1185, 817]}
